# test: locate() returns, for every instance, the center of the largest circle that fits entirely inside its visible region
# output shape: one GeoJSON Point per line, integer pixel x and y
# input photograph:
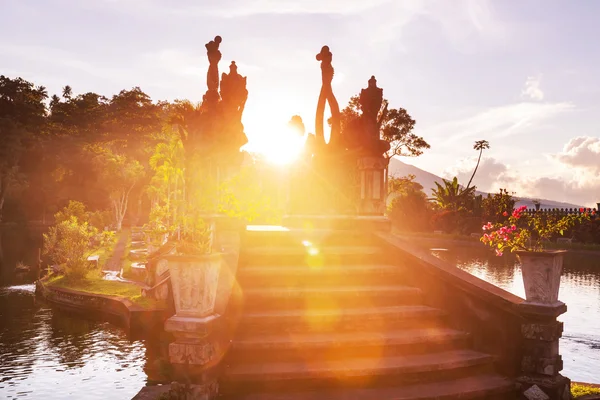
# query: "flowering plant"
{"type": "Point", "coordinates": [527, 232]}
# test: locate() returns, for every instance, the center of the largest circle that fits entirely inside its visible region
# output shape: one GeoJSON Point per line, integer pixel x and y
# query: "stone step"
{"type": "Point", "coordinates": [250, 276]}
{"type": "Point", "coordinates": [355, 372]}
{"type": "Point", "coordinates": [308, 298]}
{"type": "Point", "coordinates": [339, 319]}
{"type": "Point", "coordinates": [313, 256]}
{"type": "Point", "coordinates": [279, 236]}
{"type": "Point", "coordinates": [337, 345]}
{"type": "Point", "coordinates": [480, 387]}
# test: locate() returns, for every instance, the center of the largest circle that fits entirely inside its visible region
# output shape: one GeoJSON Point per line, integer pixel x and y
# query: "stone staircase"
{"type": "Point", "coordinates": [325, 317]}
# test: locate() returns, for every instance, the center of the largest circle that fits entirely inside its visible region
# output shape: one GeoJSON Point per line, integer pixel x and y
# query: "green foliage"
{"type": "Point", "coordinates": [244, 196]}
{"type": "Point", "coordinates": [409, 209]}
{"type": "Point", "coordinates": [74, 209]}
{"type": "Point", "coordinates": [396, 127]}
{"type": "Point", "coordinates": [72, 240]}
{"type": "Point", "coordinates": [498, 207]}
{"type": "Point", "coordinates": [452, 196]}
{"type": "Point", "coordinates": [579, 390]}
{"type": "Point", "coordinates": [117, 174]}
{"type": "Point", "coordinates": [22, 118]}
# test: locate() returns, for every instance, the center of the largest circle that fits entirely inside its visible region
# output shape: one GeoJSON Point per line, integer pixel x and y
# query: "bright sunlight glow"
{"type": "Point", "coordinates": [285, 147]}
{"type": "Point", "coordinates": [280, 145]}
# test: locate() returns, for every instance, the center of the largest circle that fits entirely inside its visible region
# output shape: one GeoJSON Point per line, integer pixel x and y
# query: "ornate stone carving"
{"type": "Point", "coordinates": [366, 133]}
{"type": "Point", "coordinates": [233, 99]}
{"type": "Point", "coordinates": [194, 281]}
{"type": "Point", "coordinates": [326, 96]}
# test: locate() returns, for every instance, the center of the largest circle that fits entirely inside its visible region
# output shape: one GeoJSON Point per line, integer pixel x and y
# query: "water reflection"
{"type": "Point", "coordinates": [51, 355]}
{"type": "Point", "coordinates": [580, 290]}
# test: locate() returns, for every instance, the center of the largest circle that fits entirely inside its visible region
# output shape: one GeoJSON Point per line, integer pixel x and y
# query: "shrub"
{"type": "Point", "coordinates": [70, 242]}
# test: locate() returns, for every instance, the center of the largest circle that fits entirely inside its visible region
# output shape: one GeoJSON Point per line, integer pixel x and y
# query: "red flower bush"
{"type": "Point", "coordinates": [527, 231]}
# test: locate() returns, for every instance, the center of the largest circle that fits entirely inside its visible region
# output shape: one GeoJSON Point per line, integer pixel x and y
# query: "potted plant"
{"type": "Point", "coordinates": [527, 234]}
{"type": "Point", "coordinates": [194, 267]}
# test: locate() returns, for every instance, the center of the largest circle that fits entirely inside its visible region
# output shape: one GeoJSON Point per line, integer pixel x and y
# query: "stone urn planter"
{"type": "Point", "coordinates": [194, 280]}
{"type": "Point", "coordinates": [541, 275]}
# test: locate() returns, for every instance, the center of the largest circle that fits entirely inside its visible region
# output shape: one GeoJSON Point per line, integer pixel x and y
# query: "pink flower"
{"type": "Point", "coordinates": [498, 252]}
{"type": "Point", "coordinates": [505, 214]}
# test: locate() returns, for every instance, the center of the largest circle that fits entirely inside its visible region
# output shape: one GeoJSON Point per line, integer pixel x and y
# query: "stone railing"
{"type": "Point", "coordinates": [522, 336]}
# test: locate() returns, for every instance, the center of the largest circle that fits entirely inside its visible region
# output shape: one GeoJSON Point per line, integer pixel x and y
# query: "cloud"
{"type": "Point", "coordinates": [532, 88]}
{"type": "Point", "coordinates": [243, 8]}
{"type": "Point", "coordinates": [581, 152]}
{"type": "Point", "coordinates": [489, 171]}
{"type": "Point", "coordinates": [497, 122]}
{"type": "Point", "coordinates": [579, 183]}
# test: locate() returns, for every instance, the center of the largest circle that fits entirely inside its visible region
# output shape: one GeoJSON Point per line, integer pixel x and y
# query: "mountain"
{"type": "Point", "coordinates": [398, 168]}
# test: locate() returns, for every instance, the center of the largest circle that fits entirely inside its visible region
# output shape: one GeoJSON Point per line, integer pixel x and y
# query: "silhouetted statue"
{"type": "Point", "coordinates": [214, 56]}
{"type": "Point", "coordinates": [233, 99]}
{"type": "Point", "coordinates": [368, 139]}
{"type": "Point", "coordinates": [370, 101]}
{"type": "Point", "coordinates": [296, 125]}
{"type": "Point", "coordinates": [326, 96]}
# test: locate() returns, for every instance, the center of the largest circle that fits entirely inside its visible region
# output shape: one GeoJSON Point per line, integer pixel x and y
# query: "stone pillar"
{"type": "Point", "coordinates": [373, 190]}
{"type": "Point", "coordinates": [202, 288]}
{"type": "Point", "coordinates": [197, 349]}
{"type": "Point", "coordinates": [541, 363]}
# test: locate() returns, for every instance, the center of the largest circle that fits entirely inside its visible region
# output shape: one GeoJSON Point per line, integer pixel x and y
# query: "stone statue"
{"type": "Point", "coordinates": [214, 56]}
{"type": "Point", "coordinates": [233, 91]}
{"type": "Point", "coordinates": [233, 99]}
{"type": "Point", "coordinates": [326, 96]}
{"type": "Point", "coordinates": [370, 102]}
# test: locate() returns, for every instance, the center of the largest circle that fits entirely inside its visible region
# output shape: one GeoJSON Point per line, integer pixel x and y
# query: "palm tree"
{"type": "Point", "coordinates": [479, 145]}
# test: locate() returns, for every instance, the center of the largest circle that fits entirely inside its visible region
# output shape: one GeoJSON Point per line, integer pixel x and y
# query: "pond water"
{"type": "Point", "coordinates": [47, 354]}
{"type": "Point", "coordinates": [580, 290]}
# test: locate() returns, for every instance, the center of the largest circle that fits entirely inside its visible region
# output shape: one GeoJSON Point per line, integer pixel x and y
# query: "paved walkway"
{"type": "Point", "coordinates": [115, 261]}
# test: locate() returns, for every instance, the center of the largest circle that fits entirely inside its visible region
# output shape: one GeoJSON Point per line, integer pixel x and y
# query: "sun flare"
{"type": "Point", "coordinates": [282, 148]}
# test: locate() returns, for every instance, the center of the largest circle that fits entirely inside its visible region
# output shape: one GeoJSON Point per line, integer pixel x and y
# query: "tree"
{"type": "Point", "coordinates": [451, 195]}
{"type": "Point", "coordinates": [22, 117]}
{"type": "Point", "coordinates": [479, 145]}
{"type": "Point", "coordinates": [396, 127]}
{"type": "Point", "coordinates": [167, 185]}
{"type": "Point", "coordinates": [409, 209]}
{"type": "Point", "coordinates": [118, 174]}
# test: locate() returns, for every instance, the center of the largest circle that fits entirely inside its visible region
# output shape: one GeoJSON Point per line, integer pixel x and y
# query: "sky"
{"type": "Point", "coordinates": [520, 74]}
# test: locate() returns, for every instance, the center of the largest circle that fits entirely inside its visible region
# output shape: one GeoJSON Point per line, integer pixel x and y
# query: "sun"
{"type": "Point", "coordinates": [281, 146]}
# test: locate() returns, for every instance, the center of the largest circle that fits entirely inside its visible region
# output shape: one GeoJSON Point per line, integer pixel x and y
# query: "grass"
{"type": "Point", "coordinates": [94, 284]}
{"type": "Point", "coordinates": [578, 390]}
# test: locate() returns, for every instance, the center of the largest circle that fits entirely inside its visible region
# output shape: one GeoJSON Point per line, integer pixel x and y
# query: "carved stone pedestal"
{"type": "Point", "coordinates": [373, 188]}
{"type": "Point", "coordinates": [196, 353]}
{"type": "Point", "coordinates": [541, 363]}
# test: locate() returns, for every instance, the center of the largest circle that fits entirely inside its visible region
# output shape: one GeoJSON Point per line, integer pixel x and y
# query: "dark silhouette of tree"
{"type": "Point", "coordinates": [396, 127]}
{"type": "Point", "coordinates": [479, 145]}
{"type": "Point", "coordinates": [22, 117]}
